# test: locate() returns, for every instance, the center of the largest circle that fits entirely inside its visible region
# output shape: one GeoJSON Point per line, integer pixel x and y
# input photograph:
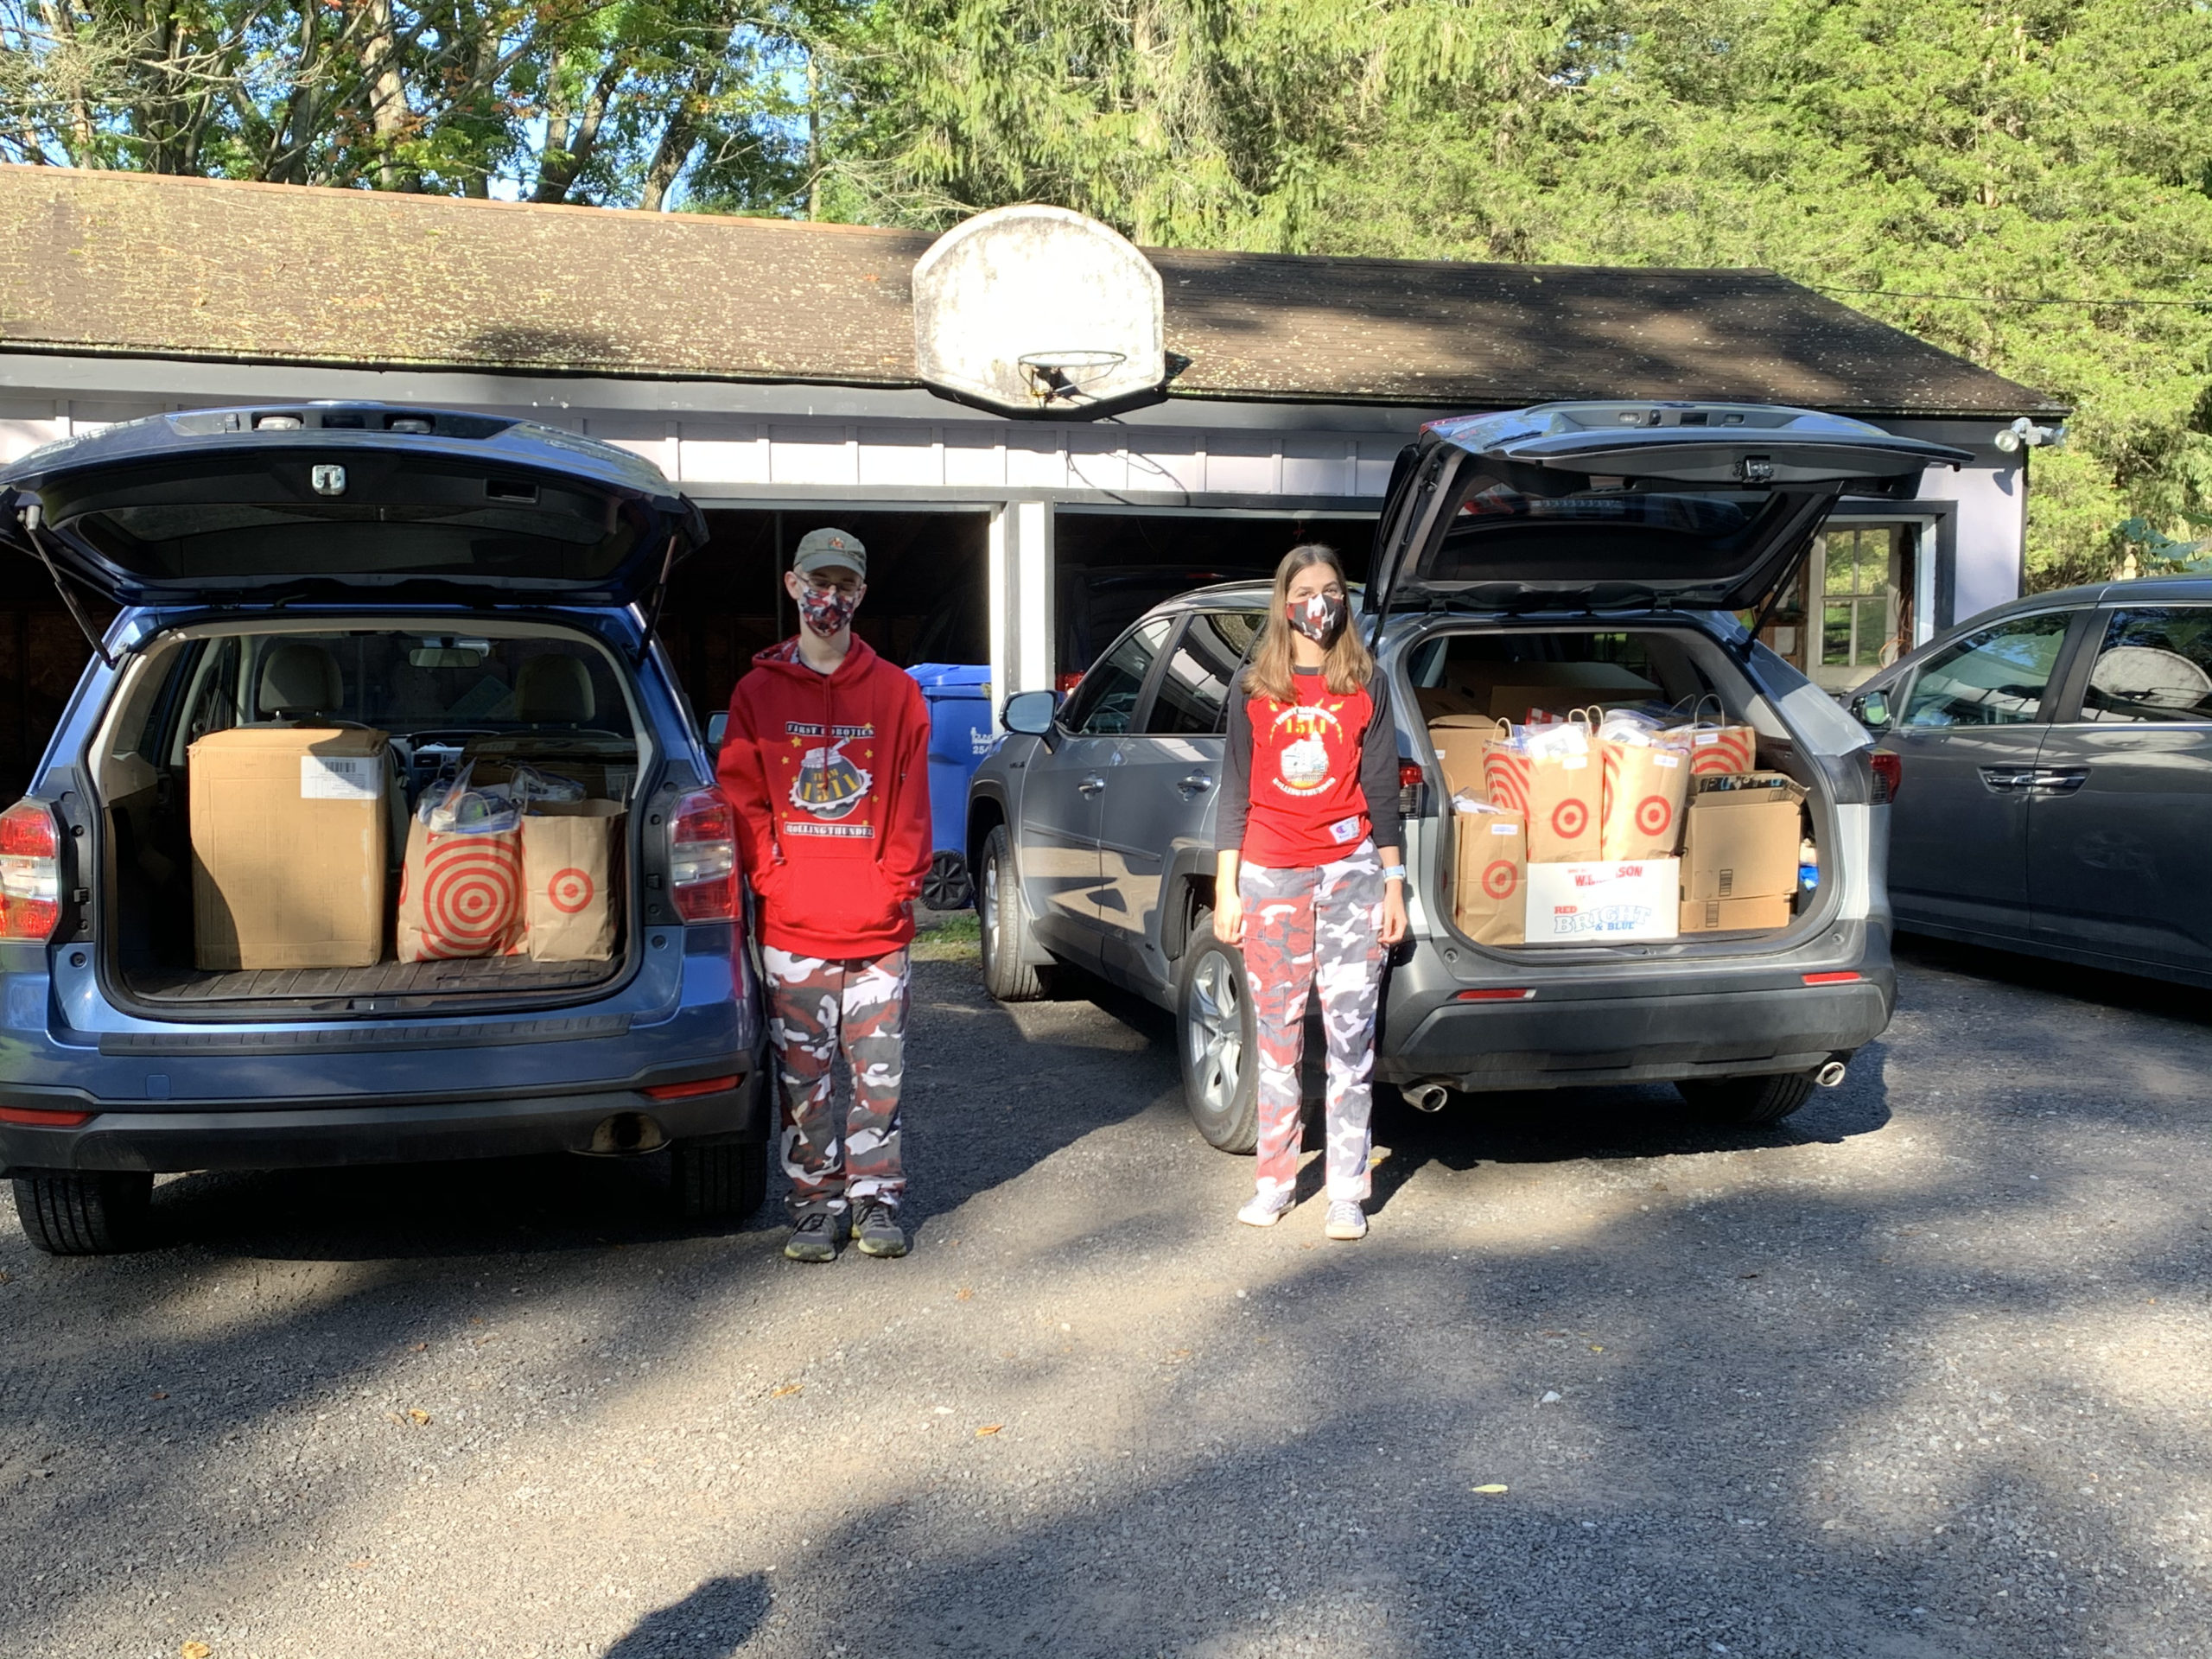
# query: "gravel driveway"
{"type": "Point", "coordinates": [1920, 1373]}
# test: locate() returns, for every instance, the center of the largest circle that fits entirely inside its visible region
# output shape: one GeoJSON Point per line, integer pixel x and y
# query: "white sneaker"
{"type": "Point", "coordinates": [1347, 1221]}
{"type": "Point", "coordinates": [1263, 1211]}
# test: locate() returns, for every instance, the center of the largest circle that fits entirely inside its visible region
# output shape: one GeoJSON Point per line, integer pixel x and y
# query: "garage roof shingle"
{"type": "Point", "coordinates": [148, 265]}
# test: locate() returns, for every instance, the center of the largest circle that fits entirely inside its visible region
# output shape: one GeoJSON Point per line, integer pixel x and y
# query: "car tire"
{"type": "Point", "coordinates": [78, 1212]}
{"type": "Point", "coordinates": [1004, 925]}
{"type": "Point", "coordinates": [947, 886]}
{"type": "Point", "coordinates": [1747, 1102]}
{"type": "Point", "coordinates": [718, 1180]}
{"type": "Point", "coordinates": [1216, 1037]}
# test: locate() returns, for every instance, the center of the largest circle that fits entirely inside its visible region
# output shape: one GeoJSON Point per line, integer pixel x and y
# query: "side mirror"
{"type": "Point", "coordinates": [717, 725]}
{"type": "Point", "coordinates": [1873, 711]}
{"type": "Point", "coordinates": [1030, 713]}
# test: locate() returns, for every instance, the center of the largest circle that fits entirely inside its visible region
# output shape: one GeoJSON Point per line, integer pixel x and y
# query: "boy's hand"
{"type": "Point", "coordinates": [1229, 918]}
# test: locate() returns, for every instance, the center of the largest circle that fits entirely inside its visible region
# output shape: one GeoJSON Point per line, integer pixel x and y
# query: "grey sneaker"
{"type": "Point", "coordinates": [1347, 1221]}
{"type": "Point", "coordinates": [814, 1237]}
{"type": "Point", "coordinates": [876, 1230]}
{"type": "Point", "coordinates": [1262, 1210]}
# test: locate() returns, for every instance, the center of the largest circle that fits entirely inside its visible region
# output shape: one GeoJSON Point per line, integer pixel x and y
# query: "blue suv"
{"type": "Point", "coordinates": [477, 593]}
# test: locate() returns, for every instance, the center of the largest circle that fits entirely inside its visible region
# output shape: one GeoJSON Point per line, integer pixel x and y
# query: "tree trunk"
{"type": "Point", "coordinates": [387, 93]}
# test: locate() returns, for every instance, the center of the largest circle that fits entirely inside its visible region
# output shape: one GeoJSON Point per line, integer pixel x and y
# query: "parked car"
{"type": "Point", "coordinates": [1599, 539]}
{"type": "Point", "coordinates": [479, 590]}
{"type": "Point", "coordinates": [2053, 765]}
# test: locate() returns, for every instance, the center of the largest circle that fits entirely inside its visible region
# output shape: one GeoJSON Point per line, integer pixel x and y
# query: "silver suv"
{"type": "Point", "coordinates": [1605, 544]}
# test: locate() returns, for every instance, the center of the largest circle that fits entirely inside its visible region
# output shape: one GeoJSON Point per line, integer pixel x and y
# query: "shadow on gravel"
{"type": "Point", "coordinates": [713, 1622]}
{"type": "Point", "coordinates": [2160, 997]}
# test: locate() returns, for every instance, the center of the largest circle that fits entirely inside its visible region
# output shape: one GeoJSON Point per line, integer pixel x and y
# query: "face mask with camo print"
{"type": "Point", "coordinates": [1318, 618]}
{"type": "Point", "coordinates": [827, 611]}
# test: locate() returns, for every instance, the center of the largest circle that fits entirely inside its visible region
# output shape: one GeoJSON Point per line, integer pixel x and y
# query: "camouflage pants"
{"type": "Point", "coordinates": [1307, 930]}
{"type": "Point", "coordinates": [815, 1008]}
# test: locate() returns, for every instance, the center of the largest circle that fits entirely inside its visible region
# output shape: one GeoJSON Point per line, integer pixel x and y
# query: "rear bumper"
{"type": "Point", "coordinates": [364, 1129]}
{"type": "Point", "coordinates": [1580, 1042]}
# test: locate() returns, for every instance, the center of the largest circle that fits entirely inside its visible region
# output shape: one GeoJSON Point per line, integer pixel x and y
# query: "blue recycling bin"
{"type": "Point", "coordinates": [959, 696]}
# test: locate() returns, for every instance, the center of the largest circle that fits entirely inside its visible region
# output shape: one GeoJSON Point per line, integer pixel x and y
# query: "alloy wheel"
{"type": "Point", "coordinates": [1214, 1027]}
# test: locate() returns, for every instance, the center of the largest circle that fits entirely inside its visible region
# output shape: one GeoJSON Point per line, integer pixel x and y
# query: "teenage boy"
{"type": "Point", "coordinates": [826, 765]}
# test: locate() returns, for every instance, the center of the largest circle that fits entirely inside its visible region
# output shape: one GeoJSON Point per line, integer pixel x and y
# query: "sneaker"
{"type": "Point", "coordinates": [1347, 1220]}
{"type": "Point", "coordinates": [1263, 1211]}
{"type": "Point", "coordinates": [814, 1237]}
{"type": "Point", "coordinates": [877, 1231]}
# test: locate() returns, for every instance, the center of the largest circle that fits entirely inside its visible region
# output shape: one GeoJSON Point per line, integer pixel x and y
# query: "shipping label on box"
{"type": "Point", "coordinates": [1742, 838]}
{"type": "Point", "coordinates": [1621, 902]}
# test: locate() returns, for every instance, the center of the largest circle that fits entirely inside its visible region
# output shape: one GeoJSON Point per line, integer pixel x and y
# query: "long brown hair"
{"type": "Point", "coordinates": [1348, 666]}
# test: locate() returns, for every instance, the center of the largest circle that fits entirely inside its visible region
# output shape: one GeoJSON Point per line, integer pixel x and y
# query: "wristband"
{"type": "Point", "coordinates": [1394, 872]}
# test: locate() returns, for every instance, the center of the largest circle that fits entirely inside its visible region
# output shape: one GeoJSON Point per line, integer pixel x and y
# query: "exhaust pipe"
{"type": "Point", "coordinates": [1428, 1096]}
{"type": "Point", "coordinates": [1830, 1076]}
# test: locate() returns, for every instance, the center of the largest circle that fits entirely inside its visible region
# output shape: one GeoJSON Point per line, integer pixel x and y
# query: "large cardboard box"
{"type": "Point", "coordinates": [1488, 867]}
{"type": "Point", "coordinates": [1735, 915]}
{"type": "Point", "coordinates": [1742, 838]}
{"type": "Point", "coordinates": [1511, 691]}
{"type": "Point", "coordinates": [1459, 741]}
{"type": "Point", "coordinates": [291, 838]}
{"type": "Point", "coordinates": [1600, 903]}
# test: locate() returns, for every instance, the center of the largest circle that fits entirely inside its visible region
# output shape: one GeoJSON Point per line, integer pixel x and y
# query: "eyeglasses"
{"type": "Point", "coordinates": [846, 586]}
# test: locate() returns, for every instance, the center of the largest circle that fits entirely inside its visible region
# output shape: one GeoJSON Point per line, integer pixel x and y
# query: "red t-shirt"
{"type": "Point", "coordinates": [1307, 802]}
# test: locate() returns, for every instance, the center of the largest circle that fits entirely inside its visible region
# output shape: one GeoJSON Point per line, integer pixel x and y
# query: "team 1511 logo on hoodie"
{"type": "Point", "coordinates": [828, 786]}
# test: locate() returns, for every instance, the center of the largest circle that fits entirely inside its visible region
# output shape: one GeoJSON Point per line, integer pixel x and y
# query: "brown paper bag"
{"type": "Point", "coordinates": [1558, 797]}
{"type": "Point", "coordinates": [1488, 865]}
{"type": "Point", "coordinates": [1643, 793]}
{"type": "Point", "coordinates": [459, 895]}
{"type": "Point", "coordinates": [569, 864]}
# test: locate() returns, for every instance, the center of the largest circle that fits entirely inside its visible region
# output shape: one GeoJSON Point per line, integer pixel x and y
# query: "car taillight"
{"type": "Point", "coordinates": [703, 858]}
{"type": "Point", "coordinates": [1889, 774]}
{"type": "Point", "coordinates": [1410, 779]}
{"type": "Point", "coordinates": [31, 871]}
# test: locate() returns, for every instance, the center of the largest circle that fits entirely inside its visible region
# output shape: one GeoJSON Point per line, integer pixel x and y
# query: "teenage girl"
{"type": "Point", "coordinates": [1311, 876]}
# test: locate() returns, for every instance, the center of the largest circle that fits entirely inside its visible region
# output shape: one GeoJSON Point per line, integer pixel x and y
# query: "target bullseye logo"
{"type": "Point", "coordinates": [472, 894]}
{"type": "Point", "coordinates": [570, 890]}
{"type": "Point", "coordinates": [1569, 818]}
{"type": "Point", "coordinates": [1654, 813]}
{"type": "Point", "coordinates": [1501, 878]}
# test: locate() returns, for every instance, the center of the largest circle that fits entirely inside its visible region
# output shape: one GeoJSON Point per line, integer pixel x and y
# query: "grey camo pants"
{"type": "Point", "coordinates": [817, 1006]}
{"type": "Point", "coordinates": [1306, 930]}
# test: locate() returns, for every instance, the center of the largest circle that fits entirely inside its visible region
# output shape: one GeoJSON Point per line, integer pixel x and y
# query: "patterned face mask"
{"type": "Point", "coordinates": [825, 610]}
{"type": "Point", "coordinates": [1318, 617]}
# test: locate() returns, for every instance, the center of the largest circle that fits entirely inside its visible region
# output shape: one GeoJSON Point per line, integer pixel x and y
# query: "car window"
{"type": "Point", "coordinates": [1105, 705]}
{"type": "Point", "coordinates": [1193, 696]}
{"type": "Point", "coordinates": [2153, 664]}
{"type": "Point", "coordinates": [1995, 677]}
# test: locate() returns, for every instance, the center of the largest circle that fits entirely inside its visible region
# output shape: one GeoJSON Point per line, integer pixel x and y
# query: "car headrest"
{"type": "Point", "coordinates": [299, 680]}
{"type": "Point", "coordinates": [554, 691]}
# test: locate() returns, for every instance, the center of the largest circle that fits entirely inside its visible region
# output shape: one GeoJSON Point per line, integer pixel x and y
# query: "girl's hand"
{"type": "Point", "coordinates": [1394, 911]}
{"type": "Point", "coordinates": [1229, 917]}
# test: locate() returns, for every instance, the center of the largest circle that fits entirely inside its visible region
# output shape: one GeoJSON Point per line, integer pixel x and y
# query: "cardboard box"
{"type": "Point", "coordinates": [291, 838]}
{"type": "Point", "coordinates": [1489, 866]}
{"type": "Point", "coordinates": [1624, 902]}
{"type": "Point", "coordinates": [1742, 838]}
{"type": "Point", "coordinates": [1509, 691]}
{"type": "Point", "coordinates": [1459, 741]}
{"type": "Point", "coordinates": [1735, 915]}
{"type": "Point", "coordinates": [571, 857]}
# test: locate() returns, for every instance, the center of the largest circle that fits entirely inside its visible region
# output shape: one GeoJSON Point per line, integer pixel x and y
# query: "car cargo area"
{"type": "Point", "coordinates": [1608, 787]}
{"type": "Point", "coordinates": [364, 820]}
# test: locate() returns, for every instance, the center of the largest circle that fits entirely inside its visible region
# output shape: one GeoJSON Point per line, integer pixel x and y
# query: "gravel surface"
{"type": "Point", "coordinates": [1920, 1373]}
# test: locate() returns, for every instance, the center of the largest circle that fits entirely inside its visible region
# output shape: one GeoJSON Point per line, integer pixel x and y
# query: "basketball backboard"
{"type": "Point", "coordinates": [1039, 311]}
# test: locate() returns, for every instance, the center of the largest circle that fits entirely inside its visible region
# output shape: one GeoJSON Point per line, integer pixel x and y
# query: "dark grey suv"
{"type": "Point", "coordinates": [1613, 536]}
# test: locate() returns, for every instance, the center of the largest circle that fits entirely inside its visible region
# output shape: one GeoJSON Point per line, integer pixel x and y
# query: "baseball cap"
{"type": "Point", "coordinates": [819, 550]}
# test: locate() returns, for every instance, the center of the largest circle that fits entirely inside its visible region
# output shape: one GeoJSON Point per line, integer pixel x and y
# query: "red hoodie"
{"type": "Point", "coordinates": [829, 776]}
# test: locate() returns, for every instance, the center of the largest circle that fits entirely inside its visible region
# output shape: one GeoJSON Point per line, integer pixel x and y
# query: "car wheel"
{"type": "Point", "coordinates": [1220, 1051]}
{"type": "Point", "coordinates": [718, 1180]}
{"type": "Point", "coordinates": [1747, 1102]}
{"type": "Point", "coordinates": [1004, 925]}
{"type": "Point", "coordinates": [69, 1212]}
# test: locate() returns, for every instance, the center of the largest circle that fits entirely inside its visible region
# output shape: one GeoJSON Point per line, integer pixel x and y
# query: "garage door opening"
{"type": "Point", "coordinates": [1111, 568]}
{"type": "Point", "coordinates": [925, 591]}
